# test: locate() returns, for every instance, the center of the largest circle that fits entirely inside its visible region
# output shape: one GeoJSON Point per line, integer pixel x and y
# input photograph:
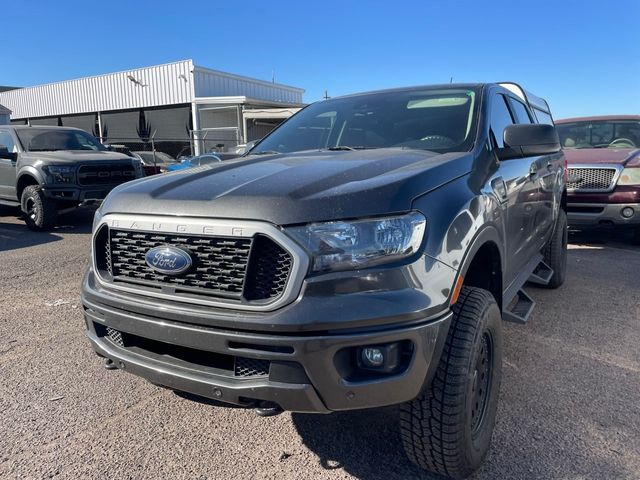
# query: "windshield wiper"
{"type": "Point", "coordinates": [265, 152]}
{"type": "Point", "coordinates": [348, 148]}
{"type": "Point", "coordinates": [44, 149]}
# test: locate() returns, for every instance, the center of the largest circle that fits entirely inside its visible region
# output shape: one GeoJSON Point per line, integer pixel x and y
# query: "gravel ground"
{"type": "Point", "coordinates": [569, 404]}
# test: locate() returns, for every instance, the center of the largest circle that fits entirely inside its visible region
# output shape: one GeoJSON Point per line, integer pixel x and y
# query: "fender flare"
{"type": "Point", "coordinates": [32, 172]}
{"type": "Point", "coordinates": [487, 234]}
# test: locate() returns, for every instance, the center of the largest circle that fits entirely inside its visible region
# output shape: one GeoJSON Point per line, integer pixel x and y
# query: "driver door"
{"type": "Point", "coordinates": [519, 195]}
{"type": "Point", "coordinates": [8, 168]}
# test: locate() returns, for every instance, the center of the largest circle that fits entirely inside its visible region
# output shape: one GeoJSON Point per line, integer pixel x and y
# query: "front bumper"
{"type": "Point", "coordinates": [78, 194]}
{"type": "Point", "coordinates": [307, 371]}
{"type": "Point", "coordinates": [584, 214]}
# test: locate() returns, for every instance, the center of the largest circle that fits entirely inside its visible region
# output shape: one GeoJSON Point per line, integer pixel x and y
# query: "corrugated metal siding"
{"type": "Point", "coordinates": [163, 85]}
{"type": "Point", "coordinates": [212, 83]}
{"type": "Point", "coordinates": [168, 84]}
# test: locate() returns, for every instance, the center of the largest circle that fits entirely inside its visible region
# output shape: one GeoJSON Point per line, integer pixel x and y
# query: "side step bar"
{"type": "Point", "coordinates": [541, 275]}
{"type": "Point", "coordinates": [520, 308]}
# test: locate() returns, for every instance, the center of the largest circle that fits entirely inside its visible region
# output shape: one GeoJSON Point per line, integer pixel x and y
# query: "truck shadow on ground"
{"type": "Point", "coordinates": [364, 443]}
{"type": "Point", "coordinates": [14, 234]}
{"type": "Point", "coordinates": [615, 237]}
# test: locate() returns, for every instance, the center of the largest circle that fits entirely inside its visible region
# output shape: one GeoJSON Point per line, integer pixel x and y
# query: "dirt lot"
{"type": "Point", "coordinates": [569, 405]}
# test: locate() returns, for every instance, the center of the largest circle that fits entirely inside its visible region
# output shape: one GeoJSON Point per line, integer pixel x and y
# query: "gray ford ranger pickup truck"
{"type": "Point", "coordinates": [46, 170]}
{"type": "Point", "coordinates": [363, 254]}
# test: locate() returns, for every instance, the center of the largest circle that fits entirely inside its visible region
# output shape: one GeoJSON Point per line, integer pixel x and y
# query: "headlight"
{"type": "Point", "coordinates": [357, 244]}
{"type": "Point", "coordinates": [630, 176]}
{"type": "Point", "coordinates": [97, 217]}
{"type": "Point", "coordinates": [60, 173]}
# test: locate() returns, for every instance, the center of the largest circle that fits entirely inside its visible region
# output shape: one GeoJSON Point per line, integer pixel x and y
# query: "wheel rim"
{"type": "Point", "coordinates": [31, 209]}
{"type": "Point", "coordinates": [481, 388]}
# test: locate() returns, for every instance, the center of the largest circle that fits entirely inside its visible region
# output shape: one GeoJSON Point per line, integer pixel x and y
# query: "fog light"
{"type": "Point", "coordinates": [383, 358]}
{"type": "Point", "coordinates": [372, 357]}
{"type": "Point", "coordinates": [627, 212]}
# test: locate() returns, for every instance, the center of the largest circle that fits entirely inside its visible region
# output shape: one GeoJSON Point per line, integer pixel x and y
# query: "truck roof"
{"type": "Point", "coordinates": [599, 118]}
{"type": "Point", "coordinates": [38, 127]}
{"type": "Point", "coordinates": [528, 97]}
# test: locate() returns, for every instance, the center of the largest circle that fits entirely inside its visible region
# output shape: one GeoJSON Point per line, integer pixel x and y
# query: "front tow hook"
{"type": "Point", "coordinates": [109, 364]}
{"type": "Point", "coordinates": [268, 409]}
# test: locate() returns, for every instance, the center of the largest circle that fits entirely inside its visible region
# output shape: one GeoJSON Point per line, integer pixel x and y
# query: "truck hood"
{"type": "Point", "coordinates": [295, 188]}
{"type": "Point", "coordinates": [600, 155]}
{"type": "Point", "coordinates": [74, 156]}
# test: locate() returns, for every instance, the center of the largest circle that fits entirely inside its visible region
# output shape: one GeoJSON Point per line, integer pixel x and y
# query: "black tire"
{"type": "Point", "coordinates": [447, 429]}
{"type": "Point", "coordinates": [555, 251]}
{"type": "Point", "coordinates": [40, 212]}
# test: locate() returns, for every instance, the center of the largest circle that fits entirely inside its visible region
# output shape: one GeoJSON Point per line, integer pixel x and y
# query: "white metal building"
{"type": "Point", "coordinates": [5, 113]}
{"type": "Point", "coordinates": [171, 106]}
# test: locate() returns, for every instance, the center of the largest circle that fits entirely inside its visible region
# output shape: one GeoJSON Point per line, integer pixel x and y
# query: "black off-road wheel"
{"type": "Point", "coordinates": [40, 212]}
{"type": "Point", "coordinates": [555, 251]}
{"type": "Point", "coordinates": [447, 429]}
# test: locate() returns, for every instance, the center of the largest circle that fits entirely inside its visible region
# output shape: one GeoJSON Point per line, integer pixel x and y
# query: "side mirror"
{"type": "Point", "coordinates": [529, 140]}
{"type": "Point", "coordinates": [5, 153]}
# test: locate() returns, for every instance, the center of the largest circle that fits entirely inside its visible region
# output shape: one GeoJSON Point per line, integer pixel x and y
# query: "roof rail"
{"type": "Point", "coordinates": [533, 100]}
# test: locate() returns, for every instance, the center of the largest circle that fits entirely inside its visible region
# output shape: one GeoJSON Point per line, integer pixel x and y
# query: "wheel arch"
{"type": "Point", "coordinates": [29, 176]}
{"type": "Point", "coordinates": [485, 255]}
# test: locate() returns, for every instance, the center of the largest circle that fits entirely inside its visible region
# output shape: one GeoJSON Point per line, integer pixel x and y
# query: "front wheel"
{"type": "Point", "coordinates": [40, 212]}
{"type": "Point", "coordinates": [447, 429]}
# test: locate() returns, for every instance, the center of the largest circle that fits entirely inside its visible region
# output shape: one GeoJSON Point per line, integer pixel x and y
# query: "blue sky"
{"type": "Point", "coordinates": [582, 56]}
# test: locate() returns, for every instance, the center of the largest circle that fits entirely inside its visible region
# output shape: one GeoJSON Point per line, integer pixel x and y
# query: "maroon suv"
{"type": "Point", "coordinates": [604, 169]}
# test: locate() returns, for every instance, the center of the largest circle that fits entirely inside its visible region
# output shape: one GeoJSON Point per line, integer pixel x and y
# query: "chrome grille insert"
{"type": "Point", "coordinates": [592, 178]}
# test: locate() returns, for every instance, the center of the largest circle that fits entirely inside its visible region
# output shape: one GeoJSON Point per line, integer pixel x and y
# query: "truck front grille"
{"type": "Point", "coordinates": [591, 179]}
{"type": "Point", "coordinates": [240, 269]}
{"type": "Point", "coordinates": [105, 174]}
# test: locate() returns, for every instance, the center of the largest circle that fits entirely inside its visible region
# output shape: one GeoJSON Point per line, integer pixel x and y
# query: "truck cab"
{"type": "Point", "coordinates": [45, 170]}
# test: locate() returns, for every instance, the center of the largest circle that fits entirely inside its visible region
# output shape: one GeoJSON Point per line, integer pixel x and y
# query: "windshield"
{"type": "Point", "coordinates": [442, 120]}
{"type": "Point", "coordinates": [600, 134]}
{"type": "Point", "coordinates": [43, 140]}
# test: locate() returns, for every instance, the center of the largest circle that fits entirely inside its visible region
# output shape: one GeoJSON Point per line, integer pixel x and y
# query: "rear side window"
{"type": "Point", "coordinates": [7, 140]}
{"type": "Point", "coordinates": [500, 118]}
{"type": "Point", "coordinates": [543, 117]}
{"type": "Point", "coordinates": [520, 111]}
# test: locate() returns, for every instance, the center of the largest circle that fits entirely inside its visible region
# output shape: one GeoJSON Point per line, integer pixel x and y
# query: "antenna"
{"type": "Point", "coordinates": [326, 95]}
{"type": "Point", "coordinates": [451, 80]}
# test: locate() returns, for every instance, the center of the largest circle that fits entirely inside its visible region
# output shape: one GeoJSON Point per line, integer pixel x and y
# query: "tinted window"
{"type": "Point", "coordinates": [500, 118]}
{"type": "Point", "coordinates": [45, 140]}
{"type": "Point", "coordinates": [428, 119]}
{"type": "Point", "coordinates": [543, 117]}
{"type": "Point", "coordinates": [520, 110]}
{"type": "Point", "coordinates": [7, 140]}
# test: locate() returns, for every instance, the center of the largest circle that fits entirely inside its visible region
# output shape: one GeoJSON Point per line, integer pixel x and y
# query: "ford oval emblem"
{"type": "Point", "coordinates": [168, 260]}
